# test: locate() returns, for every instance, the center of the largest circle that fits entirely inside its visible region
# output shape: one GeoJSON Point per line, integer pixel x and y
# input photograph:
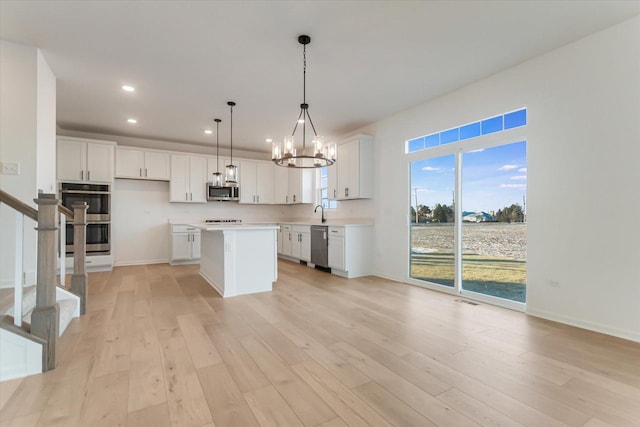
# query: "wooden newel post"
{"type": "Point", "coordinates": [46, 315]}
{"type": "Point", "coordinates": [79, 277]}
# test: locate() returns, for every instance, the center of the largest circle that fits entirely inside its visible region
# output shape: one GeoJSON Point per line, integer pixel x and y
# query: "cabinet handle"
{"type": "Point", "coordinates": [190, 196]}
{"type": "Point", "coordinates": [145, 172]}
{"type": "Point", "coordinates": [186, 196]}
{"type": "Point", "coordinates": [289, 236]}
{"type": "Point", "coordinates": [346, 192]}
{"type": "Point", "coordinates": [294, 198]}
{"type": "Point", "coordinates": [334, 193]}
{"type": "Point", "coordinates": [140, 171]}
{"type": "Point", "coordinates": [88, 175]}
{"type": "Point", "coordinates": [190, 228]}
{"type": "Point", "coordinates": [286, 198]}
{"type": "Point", "coordinates": [254, 198]}
{"type": "Point", "coordinates": [258, 198]}
{"type": "Point", "coordinates": [82, 175]}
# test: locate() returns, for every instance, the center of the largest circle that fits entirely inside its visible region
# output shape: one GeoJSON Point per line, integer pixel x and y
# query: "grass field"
{"type": "Point", "coordinates": [493, 261]}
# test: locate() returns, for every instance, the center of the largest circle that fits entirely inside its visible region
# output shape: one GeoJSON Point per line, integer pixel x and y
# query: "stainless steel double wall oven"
{"type": "Point", "coordinates": [98, 198]}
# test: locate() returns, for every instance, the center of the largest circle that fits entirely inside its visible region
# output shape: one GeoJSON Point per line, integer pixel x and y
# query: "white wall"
{"type": "Point", "coordinates": [25, 82]}
{"type": "Point", "coordinates": [45, 127]}
{"type": "Point", "coordinates": [141, 210]}
{"type": "Point", "coordinates": [583, 147]}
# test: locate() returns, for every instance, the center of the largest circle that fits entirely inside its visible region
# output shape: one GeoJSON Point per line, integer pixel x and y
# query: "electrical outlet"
{"type": "Point", "coordinates": [10, 168]}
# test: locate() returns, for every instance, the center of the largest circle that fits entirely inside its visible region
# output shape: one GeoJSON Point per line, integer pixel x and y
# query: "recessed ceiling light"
{"type": "Point", "coordinates": [208, 131]}
{"type": "Point", "coordinates": [128, 88]}
{"type": "Point", "coordinates": [268, 140]}
{"type": "Point", "coordinates": [132, 121]}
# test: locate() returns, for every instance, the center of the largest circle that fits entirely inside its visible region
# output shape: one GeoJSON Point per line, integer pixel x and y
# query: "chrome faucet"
{"type": "Point", "coordinates": [322, 210]}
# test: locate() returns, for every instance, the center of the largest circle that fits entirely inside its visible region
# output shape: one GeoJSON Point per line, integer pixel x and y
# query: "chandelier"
{"type": "Point", "coordinates": [315, 156]}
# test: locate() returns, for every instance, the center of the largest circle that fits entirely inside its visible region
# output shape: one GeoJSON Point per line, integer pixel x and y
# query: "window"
{"type": "Point", "coordinates": [323, 191]}
{"type": "Point", "coordinates": [483, 127]}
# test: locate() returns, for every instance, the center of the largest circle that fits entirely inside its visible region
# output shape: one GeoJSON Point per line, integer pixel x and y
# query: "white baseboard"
{"type": "Point", "coordinates": [591, 326]}
{"type": "Point", "coordinates": [393, 278]}
{"type": "Point", "coordinates": [141, 262]}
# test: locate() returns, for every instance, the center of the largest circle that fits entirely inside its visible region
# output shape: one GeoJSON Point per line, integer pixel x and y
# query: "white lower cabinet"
{"type": "Point", "coordinates": [350, 253]}
{"type": "Point", "coordinates": [294, 241]}
{"type": "Point", "coordinates": [185, 244]}
{"type": "Point", "coordinates": [336, 248]}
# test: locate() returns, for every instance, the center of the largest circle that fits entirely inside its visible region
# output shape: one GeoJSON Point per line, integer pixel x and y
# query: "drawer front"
{"type": "Point", "coordinates": [302, 229]}
{"type": "Point", "coordinates": [336, 231]}
{"type": "Point", "coordinates": [184, 229]}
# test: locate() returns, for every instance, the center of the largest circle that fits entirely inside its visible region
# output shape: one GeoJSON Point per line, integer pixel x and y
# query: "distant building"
{"type": "Point", "coordinates": [478, 217]}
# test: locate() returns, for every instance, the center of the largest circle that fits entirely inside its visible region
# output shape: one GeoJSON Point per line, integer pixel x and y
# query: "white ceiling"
{"type": "Point", "coordinates": [367, 59]}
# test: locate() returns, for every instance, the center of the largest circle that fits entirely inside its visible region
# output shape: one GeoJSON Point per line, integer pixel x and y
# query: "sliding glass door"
{"type": "Point", "coordinates": [494, 228]}
{"type": "Point", "coordinates": [481, 248]}
{"type": "Point", "coordinates": [432, 220]}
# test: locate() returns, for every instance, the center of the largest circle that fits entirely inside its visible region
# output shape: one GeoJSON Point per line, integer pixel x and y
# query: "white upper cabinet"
{"type": "Point", "coordinates": [256, 182]}
{"type": "Point", "coordinates": [352, 175]}
{"type": "Point", "coordinates": [85, 160]}
{"type": "Point", "coordinates": [188, 179]}
{"type": "Point", "coordinates": [142, 164]}
{"type": "Point", "coordinates": [300, 186]}
{"type": "Point", "coordinates": [280, 185]}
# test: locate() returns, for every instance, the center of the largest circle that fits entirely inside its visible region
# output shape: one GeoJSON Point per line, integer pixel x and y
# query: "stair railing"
{"type": "Point", "coordinates": [22, 210]}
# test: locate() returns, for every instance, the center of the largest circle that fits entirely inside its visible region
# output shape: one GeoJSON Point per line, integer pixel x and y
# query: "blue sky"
{"type": "Point", "coordinates": [491, 178]}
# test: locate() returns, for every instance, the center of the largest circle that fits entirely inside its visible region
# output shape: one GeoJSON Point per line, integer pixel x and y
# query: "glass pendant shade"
{"type": "Point", "coordinates": [231, 175]}
{"type": "Point", "coordinates": [217, 179]}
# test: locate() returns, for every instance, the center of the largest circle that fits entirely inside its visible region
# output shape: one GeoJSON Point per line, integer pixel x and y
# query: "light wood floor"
{"type": "Point", "coordinates": [160, 347]}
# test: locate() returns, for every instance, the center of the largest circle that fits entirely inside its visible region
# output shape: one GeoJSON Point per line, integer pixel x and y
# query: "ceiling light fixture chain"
{"type": "Point", "coordinates": [285, 154]}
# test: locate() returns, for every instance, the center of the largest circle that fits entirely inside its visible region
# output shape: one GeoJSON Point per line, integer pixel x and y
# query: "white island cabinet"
{"type": "Point", "coordinates": [239, 259]}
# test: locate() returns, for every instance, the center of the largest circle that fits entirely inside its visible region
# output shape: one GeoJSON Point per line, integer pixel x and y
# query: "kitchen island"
{"type": "Point", "coordinates": [239, 259]}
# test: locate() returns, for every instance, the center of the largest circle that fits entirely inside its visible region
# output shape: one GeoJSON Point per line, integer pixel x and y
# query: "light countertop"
{"type": "Point", "coordinates": [240, 227]}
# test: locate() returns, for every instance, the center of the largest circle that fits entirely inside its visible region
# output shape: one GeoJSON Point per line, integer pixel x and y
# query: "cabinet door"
{"type": "Point", "coordinates": [305, 246]}
{"type": "Point", "coordinates": [247, 175]}
{"type": "Point", "coordinates": [129, 163]}
{"type": "Point", "coordinates": [348, 170]}
{"type": "Point", "coordinates": [179, 184]}
{"type": "Point", "coordinates": [287, 242]}
{"type": "Point", "coordinates": [332, 182]}
{"type": "Point", "coordinates": [71, 160]}
{"type": "Point", "coordinates": [295, 186]}
{"type": "Point", "coordinates": [265, 174]}
{"type": "Point", "coordinates": [180, 246]}
{"type": "Point", "coordinates": [100, 167]}
{"type": "Point", "coordinates": [295, 244]}
{"type": "Point", "coordinates": [156, 166]}
{"type": "Point", "coordinates": [280, 185]}
{"type": "Point", "coordinates": [336, 252]}
{"type": "Point", "coordinates": [197, 179]}
{"type": "Point", "coordinates": [195, 245]}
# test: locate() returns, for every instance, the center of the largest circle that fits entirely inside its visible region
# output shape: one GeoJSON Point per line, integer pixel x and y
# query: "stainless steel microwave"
{"type": "Point", "coordinates": [224, 194]}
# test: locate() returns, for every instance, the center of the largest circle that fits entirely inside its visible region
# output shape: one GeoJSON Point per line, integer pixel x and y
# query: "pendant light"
{"type": "Point", "coordinates": [217, 176]}
{"type": "Point", "coordinates": [231, 171]}
{"type": "Point", "coordinates": [320, 154]}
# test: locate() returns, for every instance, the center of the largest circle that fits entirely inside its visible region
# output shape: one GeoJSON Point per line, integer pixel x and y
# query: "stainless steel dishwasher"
{"type": "Point", "coordinates": [319, 246]}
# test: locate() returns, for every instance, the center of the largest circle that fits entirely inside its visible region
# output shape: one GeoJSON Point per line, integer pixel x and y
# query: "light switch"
{"type": "Point", "coordinates": [10, 168]}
